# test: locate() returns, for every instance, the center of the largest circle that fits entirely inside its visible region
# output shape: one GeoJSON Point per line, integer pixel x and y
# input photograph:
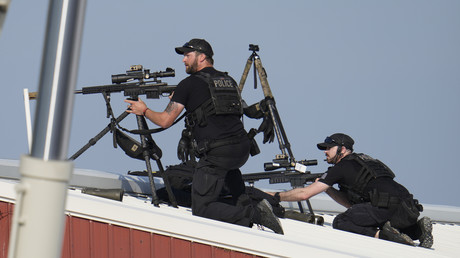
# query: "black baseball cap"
{"type": "Point", "coordinates": [199, 45]}
{"type": "Point", "coordinates": [337, 139]}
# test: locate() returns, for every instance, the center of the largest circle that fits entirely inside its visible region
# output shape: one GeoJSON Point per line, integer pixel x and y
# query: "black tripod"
{"type": "Point", "coordinates": [284, 145]}
{"type": "Point", "coordinates": [147, 145]}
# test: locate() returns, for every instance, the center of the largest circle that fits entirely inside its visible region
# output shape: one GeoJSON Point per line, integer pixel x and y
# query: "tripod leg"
{"type": "Point", "coordinates": [96, 138]}
{"type": "Point", "coordinates": [155, 199]}
{"type": "Point", "coordinates": [279, 130]}
{"type": "Point", "coordinates": [263, 78]}
{"type": "Point", "coordinates": [309, 207]}
{"type": "Point", "coordinates": [276, 126]}
{"type": "Point", "coordinates": [300, 207]}
{"type": "Point", "coordinates": [141, 124]}
{"type": "Point", "coordinates": [319, 220]}
{"type": "Point", "coordinates": [245, 73]}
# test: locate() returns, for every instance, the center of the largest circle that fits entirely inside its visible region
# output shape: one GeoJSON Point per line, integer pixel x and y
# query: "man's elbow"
{"type": "Point", "coordinates": [165, 124]}
{"type": "Point", "coordinates": [312, 190]}
{"type": "Point", "coordinates": [303, 196]}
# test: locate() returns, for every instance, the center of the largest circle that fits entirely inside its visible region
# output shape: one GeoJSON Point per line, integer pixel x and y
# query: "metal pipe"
{"type": "Point", "coordinates": [58, 78]}
{"type": "Point", "coordinates": [39, 218]}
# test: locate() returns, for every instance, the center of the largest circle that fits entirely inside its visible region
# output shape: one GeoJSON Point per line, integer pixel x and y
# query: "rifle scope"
{"type": "Point", "coordinates": [286, 164]}
{"type": "Point", "coordinates": [137, 73]}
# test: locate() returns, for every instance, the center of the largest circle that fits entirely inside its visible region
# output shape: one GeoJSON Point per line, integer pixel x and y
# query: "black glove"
{"type": "Point", "coordinates": [184, 148]}
{"type": "Point", "coordinates": [267, 128]}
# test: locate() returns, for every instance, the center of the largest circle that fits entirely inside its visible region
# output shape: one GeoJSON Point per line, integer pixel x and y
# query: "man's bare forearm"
{"type": "Point", "coordinates": [304, 193]}
{"type": "Point", "coordinates": [338, 196]}
{"type": "Point", "coordinates": [166, 118]}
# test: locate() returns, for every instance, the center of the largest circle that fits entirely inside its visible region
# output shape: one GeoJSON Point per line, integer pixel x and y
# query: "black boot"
{"type": "Point", "coordinates": [392, 234]}
{"type": "Point", "coordinates": [264, 216]}
{"type": "Point", "coordinates": [426, 239]}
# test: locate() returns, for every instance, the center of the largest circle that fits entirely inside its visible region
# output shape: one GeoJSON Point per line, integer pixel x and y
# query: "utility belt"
{"type": "Point", "coordinates": [405, 210]}
{"type": "Point", "coordinates": [204, 146]}
{"type": "Point", "coordinates": [383, 200]}
{"type": "Point", "coordinates": [377, 199]}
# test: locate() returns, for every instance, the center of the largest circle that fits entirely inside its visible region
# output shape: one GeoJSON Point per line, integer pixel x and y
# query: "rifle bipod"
{"type": "Point", "coordinates": [284, 145]}
{"type": "Point", "coordinates": [148, 151]}
{"type": "Point", "coordinates": [304, 217]}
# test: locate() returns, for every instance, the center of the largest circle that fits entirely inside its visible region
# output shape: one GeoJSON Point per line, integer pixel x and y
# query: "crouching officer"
{"type": "Point", "coordinates": [213, 124]}
{"type": "Point", "coordinates": [377, 205]}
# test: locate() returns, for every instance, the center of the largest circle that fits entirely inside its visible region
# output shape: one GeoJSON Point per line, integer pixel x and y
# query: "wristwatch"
{"type": "Point", "coordinates": [277, 197]}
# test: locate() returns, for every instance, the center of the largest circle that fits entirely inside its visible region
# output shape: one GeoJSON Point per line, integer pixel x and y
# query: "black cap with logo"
{"type": "Point", "coordinates": [199, 45]}
{"type": "Point", "coordinates": [337, 139]}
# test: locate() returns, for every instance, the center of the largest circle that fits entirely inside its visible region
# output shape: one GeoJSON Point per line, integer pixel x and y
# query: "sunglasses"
{"type": "Point", "coordinates": [330, 140]}
{"type": "Point", "coordinates": [187, 45]}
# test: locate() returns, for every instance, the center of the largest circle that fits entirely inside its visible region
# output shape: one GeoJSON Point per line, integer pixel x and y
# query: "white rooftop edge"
{"type": "Point", "coordinates": [300, 239]}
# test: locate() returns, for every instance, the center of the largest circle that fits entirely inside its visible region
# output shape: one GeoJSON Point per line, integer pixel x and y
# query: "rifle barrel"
{"type": "Point", "coordinates": [151, 89]}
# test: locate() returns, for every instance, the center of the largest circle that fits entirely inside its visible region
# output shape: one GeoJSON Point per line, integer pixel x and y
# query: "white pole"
{"type": "Point", "coordinates": [38, 220]}
{"type": "Point", "coordinates": [28, 118]}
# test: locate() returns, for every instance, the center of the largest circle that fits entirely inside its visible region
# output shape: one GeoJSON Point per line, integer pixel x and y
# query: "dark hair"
{"type": "Point", "coordinates": [210, 60]}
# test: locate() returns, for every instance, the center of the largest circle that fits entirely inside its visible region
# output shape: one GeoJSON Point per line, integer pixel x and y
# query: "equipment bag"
{"type": "Point", "coordinates": [180, 176]}
{"type": "Point", "coordinates": [134, 149]}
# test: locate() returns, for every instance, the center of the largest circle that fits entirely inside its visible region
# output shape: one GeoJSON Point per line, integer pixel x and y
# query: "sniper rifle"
{"type": "Point", "coordinates": [296, 179]}
{"type": "Point", "coordinates": [147, 84]}
{"type": "Point", "coordinates": [294, 173]}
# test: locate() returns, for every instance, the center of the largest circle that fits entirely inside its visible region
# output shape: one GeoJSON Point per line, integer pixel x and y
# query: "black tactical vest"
{"type": "Point", "coordinates": [225, 98]}
{"type": "Point", "coordinates": [370, 169]}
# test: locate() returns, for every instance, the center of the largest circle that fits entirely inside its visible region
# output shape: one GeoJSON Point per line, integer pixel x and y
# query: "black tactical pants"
{"type": "Point", "coordinates": [362, 218]}
{"type": "Point", "coordinates": [216, 171]}
{"type": "Point", "coordinates": [366, 219]}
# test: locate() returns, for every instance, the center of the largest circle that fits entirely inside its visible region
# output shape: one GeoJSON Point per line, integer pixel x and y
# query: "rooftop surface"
{"type": "Point", "coordinates": [300, 239]}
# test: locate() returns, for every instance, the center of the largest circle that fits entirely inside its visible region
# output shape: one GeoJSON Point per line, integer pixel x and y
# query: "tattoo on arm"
{"type": "Point", "coordinates": [171, 106]}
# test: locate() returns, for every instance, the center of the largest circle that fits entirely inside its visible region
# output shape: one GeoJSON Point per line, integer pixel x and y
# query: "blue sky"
{"type": "Point", "coordinates": [385, 72]}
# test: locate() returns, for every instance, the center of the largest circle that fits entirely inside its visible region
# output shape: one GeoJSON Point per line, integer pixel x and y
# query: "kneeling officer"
{"type": "Point", "coordinates": [377, 205]}
{"type": "Point", "coordinates": [213, 125]}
